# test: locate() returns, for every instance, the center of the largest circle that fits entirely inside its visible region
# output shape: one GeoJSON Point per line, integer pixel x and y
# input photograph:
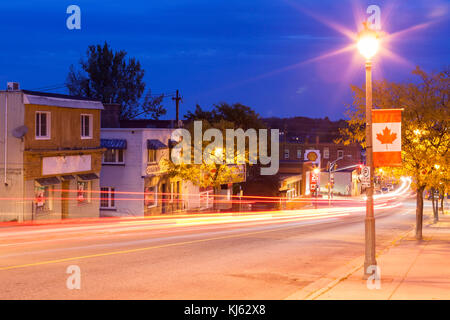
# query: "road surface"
{"type": "Point", "coordinates": [221, 256]}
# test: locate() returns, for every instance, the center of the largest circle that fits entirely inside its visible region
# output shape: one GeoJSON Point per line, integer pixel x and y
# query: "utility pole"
{"type": "Point", "coordinates": [177, 99]}
{"type": "Point", "coordinates": [370, 259]}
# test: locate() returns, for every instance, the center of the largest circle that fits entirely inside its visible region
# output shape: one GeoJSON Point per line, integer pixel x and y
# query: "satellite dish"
{"type": "Point", "coordinates": [19, 132]}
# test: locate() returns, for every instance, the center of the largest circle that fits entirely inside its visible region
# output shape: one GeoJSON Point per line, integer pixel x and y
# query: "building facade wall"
{"type": "Point", "coordinates": [133, 179]}
{"type": "Point", "coordinates": [126, 179]}
{"type": "Point", "coordinates": [65, 128]}
{"type": "Point", "coordinates": [26, 156]}
{"type": "Point", "coordinates": [12, 183]}
{"type": "Point", "coordinates": [351, 153]}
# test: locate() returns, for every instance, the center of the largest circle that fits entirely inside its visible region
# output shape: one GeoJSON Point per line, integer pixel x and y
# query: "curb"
{"type": "Point", "coordinates": [323, 285]}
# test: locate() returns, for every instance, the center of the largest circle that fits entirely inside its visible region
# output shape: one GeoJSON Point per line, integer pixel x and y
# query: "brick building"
{"type": "Point", "coordinates": [297, 160]}
{"type": "Point", "coordinates": [321, 153]}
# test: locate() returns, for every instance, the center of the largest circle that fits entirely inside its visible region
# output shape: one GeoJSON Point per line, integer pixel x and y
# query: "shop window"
{"type": "Point", "coordinates": [113, 156]}
{"type": "Point", "coordinates": [107, 198]}
{"type": "Point", "coordinates": [84, 192]}
{"type": "Point", "coordinates": [290, 194]}
{"type": "Point", "coordinates": [43, 198]}
{"type": "Point", "coordinates": [151, 197]}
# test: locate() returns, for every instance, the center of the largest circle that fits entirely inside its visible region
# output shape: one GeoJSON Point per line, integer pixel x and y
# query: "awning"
{"type": "Point", "coordinates": [88, 176]}
{"type": "Point", "coordinates": [48, 181]}
{"type": "Point", "coordinates": [155, 144]}
{"type": "Point", "coordinates": [173, 143]}
{"type": "Point", "coordinates": [68, 177]}
{"type": "Point", "coordinates": [113, 143]}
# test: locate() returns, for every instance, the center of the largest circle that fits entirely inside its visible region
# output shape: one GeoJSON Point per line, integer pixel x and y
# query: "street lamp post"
{"type": "Point", "coordinates": [368, 46]}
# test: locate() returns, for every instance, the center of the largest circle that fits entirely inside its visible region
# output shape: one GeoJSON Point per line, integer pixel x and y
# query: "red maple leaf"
{"type": "Point", "coordinates": [387, 137]}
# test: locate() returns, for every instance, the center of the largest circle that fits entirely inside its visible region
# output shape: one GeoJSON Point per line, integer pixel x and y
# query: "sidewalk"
{"type": "Point", "coordinates": [409, 270]}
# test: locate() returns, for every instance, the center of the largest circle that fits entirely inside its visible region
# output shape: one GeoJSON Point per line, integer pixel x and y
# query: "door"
{"type": "Point", "coordinates": [65, 185]}
{"type": "Point", "coordinates": [164, 198]}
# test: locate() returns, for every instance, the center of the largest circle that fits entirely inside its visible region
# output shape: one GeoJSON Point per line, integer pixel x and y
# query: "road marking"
{"type": "Point", "coordinates": [143, 249]}
{"type": "Point", "coordinates": [331, 215]}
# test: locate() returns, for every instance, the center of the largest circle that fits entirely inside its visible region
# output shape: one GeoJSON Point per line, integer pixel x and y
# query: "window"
{"type": "Point", "coordinates": [286, 153]}
{"type": "Point", "coordinates": [42, 125]}
{"type": "Point", "coordinates": [340, 154]}
{"type": "Point", "coordinates": [172, 191]}
{"type": "Point", "coordinates": [43, 200]}
{"type": "Point", "coordinates": [107, 198]}
{"type": "Point", "coordinates": [151, 155]}
{"type": "Point", "coordinates": [326, 153]}
{"type": "Point", "coordinates": [112, 156]}
{"type": "Point", "coordinates": [151, 197]}
{"type": "Point", "coordinates": [83, 192]}
{"type": "Point", "coordinates": [86, 126]}
{"type": "Point", "coordinates": [299, 153]}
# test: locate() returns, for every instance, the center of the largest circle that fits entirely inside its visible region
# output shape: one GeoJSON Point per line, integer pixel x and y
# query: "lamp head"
{"type": "Point", "coordinates": [368, 42]}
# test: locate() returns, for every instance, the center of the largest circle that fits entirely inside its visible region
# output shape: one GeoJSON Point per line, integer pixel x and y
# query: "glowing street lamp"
{"type": "Point", "coordinates": [218, 152]}
{"type": "Point", "coordinates": [368, 45]}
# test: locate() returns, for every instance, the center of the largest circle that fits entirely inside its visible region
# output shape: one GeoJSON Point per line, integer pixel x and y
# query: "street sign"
{"type": "Point", "coordinates": [365, 176]}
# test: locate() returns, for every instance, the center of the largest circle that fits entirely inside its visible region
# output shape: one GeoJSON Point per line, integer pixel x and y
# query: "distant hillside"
{"type": "Point", "coordinates": [301, 129]}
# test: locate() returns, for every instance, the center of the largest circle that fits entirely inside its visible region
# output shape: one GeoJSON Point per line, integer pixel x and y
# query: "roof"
{"type": "Point", "coordinates": [60, 100]}
{"type": "Point", "coordinates": [148, 123]}
{"type": "Point", "coordinates": [113, 143]}
{"type": "Point", "coordinates": [155, 144]}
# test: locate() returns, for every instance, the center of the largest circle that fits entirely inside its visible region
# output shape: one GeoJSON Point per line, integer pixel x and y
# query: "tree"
{"type": "Point", "coordinates": [222, 117]}
{"type": "Point", "coordinates": [425, 126]}
{"type": "Point", "coordinates": [240, 115]}
{"type": "Point", "coordinates": [206, 174]}
{"type": "Point", "coordinates": [107, 76]}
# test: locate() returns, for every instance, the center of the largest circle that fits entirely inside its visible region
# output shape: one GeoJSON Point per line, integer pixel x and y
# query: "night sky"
{"type": "Point", "coordinates": [258, 52]}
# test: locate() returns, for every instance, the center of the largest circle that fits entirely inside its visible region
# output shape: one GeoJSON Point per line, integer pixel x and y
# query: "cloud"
{"type": "Point", "coordinates": [308, 37]}
{"type": "Point", "coordinates": [301, 89]}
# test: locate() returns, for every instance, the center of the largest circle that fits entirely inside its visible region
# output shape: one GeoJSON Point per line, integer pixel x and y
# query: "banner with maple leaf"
{"type": "Point", "coordinates": [386, 137]}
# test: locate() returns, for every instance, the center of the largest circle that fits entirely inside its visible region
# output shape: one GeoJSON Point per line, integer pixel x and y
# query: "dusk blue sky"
{"type": "Point", "coordinates": [256, 52]}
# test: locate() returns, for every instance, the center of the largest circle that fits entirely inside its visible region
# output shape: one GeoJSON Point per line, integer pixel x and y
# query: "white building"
{"type": "Point", "coordinates": [132, 181]}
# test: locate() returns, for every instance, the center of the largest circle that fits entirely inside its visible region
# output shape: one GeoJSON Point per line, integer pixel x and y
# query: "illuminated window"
{"type": "Point", "coordinates": [151, 155]}
{"type": "Point", "coordinates": [151, 197]}
{"type": "Point", "coordinates": [84, 191]}
{"type": "Point", "coordinates": [299, 153]}
{"type": "Point", "coordinates": [43, 200]}
{"type": "Point", "coordinates": [326, 153]}
{"type": "Point", "coordinates": [286, 153]}
{"type": "Point", "coordinates": [340, 154]}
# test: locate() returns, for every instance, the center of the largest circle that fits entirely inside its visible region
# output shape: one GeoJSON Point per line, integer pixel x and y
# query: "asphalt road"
{"type": "Point", "coordinates": [257, 256]}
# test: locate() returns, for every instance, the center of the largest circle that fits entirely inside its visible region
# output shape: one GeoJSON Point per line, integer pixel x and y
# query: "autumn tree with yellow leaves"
{"type": "Point", "coordinates": [425, 128]}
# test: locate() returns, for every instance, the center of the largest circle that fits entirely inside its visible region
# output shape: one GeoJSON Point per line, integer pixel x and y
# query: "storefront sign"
{"type": "Point", "coordinates": [65, 164]}
{"type": "Point", "coordinates": [313, 156]}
